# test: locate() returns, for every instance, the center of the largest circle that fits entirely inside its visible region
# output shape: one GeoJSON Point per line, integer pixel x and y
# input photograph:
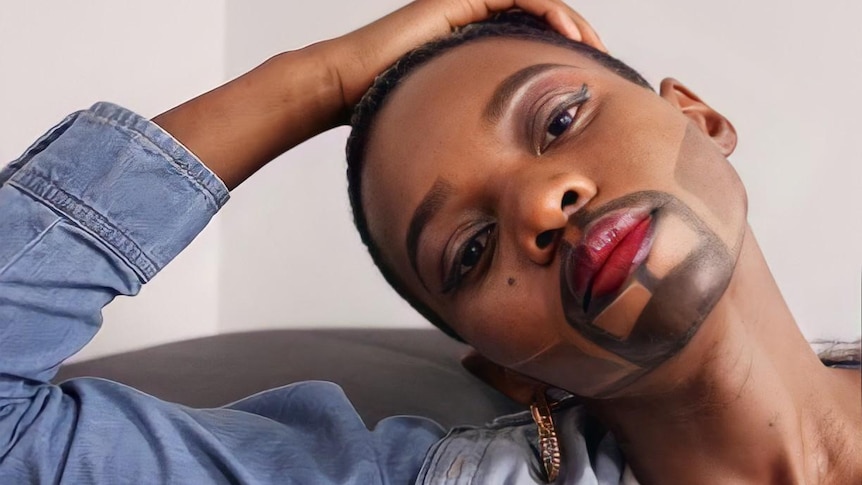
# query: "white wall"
{"type": "Point", "coordinates": [289, 253]}
{"type": "Point", "coordinates": [284, 253]}
{"type": "Point", "coordinates": [58, 57]}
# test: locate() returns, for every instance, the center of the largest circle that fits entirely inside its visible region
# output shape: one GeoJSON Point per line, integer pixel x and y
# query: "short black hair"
{"type": "Point", "coordinates": [513, 24]}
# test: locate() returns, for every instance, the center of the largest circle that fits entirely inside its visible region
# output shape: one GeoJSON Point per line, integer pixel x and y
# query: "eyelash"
{"type": "Point", "coordinates": [455, 273]}
{"type": "Point", "coordinates": [570, 106]}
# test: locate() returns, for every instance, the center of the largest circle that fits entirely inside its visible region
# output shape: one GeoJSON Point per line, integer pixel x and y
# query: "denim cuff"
{"type": "Point", "coordinates": [124, 180]}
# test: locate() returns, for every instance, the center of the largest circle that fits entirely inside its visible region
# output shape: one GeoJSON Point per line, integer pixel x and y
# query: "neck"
{"type": "Point", "coordinates": [758, 408]}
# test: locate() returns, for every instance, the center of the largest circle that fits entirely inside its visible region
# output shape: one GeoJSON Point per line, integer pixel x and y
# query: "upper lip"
{"type": "Point", "coordinates": [601, 236]}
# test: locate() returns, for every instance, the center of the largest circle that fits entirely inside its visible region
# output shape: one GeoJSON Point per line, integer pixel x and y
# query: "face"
{"type": "Point", "coordinates": [567, 223]}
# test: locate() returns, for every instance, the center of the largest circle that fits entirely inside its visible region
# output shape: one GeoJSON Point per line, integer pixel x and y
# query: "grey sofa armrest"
{"type": "Point", "coordinates": [384, 372]}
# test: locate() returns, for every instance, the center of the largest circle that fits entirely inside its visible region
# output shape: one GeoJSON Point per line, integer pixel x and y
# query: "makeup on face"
{"type": "Point", "coordinates": [662, 328]}
{"type": "Point", "coordinates": [641, 318]}
{"type": "Point", "coordinates": [644, 258]}
{"type": "Point", "coordinates": [611, 248]}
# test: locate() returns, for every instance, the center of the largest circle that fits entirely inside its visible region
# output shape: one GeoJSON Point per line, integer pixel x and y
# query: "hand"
{"type": "Point", "coordinates": [356, 58]}
{"type": "Point", "coordinates": [242, 125]}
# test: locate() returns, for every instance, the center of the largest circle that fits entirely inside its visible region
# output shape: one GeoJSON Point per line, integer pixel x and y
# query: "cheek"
{"type": "Point", "coordinates": [522, 327]}
{"type": "Point", "coordinates": [711, 187]}
{"type": "Point", "coordinates": [664, 151]}
{"type": "Point", "coordinates": [674, 242]}
{"type": "Point", "coordinates": [640, 151]}
{"type": "Point", "coordinates": [510, 324]}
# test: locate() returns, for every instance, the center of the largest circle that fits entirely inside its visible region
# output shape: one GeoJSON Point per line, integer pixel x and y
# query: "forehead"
{"type": "Point", "coordinates": [432, 124]}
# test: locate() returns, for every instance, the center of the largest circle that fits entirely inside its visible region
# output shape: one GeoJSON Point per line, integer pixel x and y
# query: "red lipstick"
{"type": "Point", "coordinates": [611, 248]}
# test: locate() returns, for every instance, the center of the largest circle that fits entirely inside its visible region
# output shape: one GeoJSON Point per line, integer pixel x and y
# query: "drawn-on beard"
{"type": "Point", "coordinates": [678, 301]}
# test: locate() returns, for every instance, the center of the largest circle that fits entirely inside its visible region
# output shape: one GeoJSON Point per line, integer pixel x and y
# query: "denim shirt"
{"type": "Point", "coordinates": [94, 209]}
{"type": "Point", "coordinates": [505, 451]}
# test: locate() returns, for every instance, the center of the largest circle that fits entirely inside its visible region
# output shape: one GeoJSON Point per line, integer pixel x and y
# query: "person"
{"type": "Point", "coordinates": [119, 195]}
{"type": "Point", "coordinates": [585, 233]}
{"type": "Point", "coordinates": [105, 199]}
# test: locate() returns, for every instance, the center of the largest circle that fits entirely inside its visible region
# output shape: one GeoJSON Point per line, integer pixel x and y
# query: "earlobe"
{"type": "Point", "coordinates": [516, 386]}
{"type": "Point", "coordinates": [709, 121]}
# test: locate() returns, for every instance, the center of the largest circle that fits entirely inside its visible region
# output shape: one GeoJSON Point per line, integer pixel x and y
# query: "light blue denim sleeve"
{"type": "Point", "coordinates": [94, 209]}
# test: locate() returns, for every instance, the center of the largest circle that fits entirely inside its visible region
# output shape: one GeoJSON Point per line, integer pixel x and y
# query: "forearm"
{"type": "Point", "coordinates": [239, 127]}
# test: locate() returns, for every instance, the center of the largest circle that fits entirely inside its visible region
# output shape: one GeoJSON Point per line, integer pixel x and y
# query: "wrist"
{"type": "Point", "coordinates": [356, 58]}
{"type": "Point", "coordinates": [327, 62]}
{"type": "Point", "coordinates": [320, 86]}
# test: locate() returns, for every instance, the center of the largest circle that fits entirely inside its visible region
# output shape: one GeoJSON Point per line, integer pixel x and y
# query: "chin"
{"type": "Point", "coordinates": [679, 271]}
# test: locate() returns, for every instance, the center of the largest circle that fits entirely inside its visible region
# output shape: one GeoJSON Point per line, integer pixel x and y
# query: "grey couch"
{"type": "Point", "coordinates": [383, 372]}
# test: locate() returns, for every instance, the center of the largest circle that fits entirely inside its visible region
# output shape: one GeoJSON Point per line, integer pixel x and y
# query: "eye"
{"type": "Point", "coordinates": [558, 117]}
{"type": "Point", "coordinates": [468, 257]}
{"type": "Point", "coordinates": [472, 252]}
{"type": "Point", "coordinates": [559, 123]}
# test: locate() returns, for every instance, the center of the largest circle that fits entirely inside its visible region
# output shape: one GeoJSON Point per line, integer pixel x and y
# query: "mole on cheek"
{"type": "Point", "coordinates": [511, 281]}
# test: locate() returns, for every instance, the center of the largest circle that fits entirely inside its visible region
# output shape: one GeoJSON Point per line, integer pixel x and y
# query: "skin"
{"type": "Point", "coordinates": [694, 361]}
{"type": "Point", "coordinates": [622, 152]}
{"type": "Point", "coordinates": [241, 126]}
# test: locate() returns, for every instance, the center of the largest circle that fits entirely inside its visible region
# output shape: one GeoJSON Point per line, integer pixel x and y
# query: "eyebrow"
{"type": "Point", "coordinates": [506, 90]}
{"type": "Point", "coordinates": [431, 204]}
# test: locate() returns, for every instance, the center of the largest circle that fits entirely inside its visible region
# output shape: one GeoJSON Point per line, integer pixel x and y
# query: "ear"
{"type": "Point", "coordinates": [710, 122]}
{"type": "Point", "coordinates": [516, 386]}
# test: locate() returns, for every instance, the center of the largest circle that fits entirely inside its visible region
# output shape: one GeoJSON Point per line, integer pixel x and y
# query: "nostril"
{"type": "Point", "coordinates": [545, 239]}
{"type": "Point", "coordinates": [569, 198]}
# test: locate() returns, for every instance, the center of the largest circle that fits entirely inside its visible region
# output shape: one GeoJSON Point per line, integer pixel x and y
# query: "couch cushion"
{"type": "Point", "coordinates": [384, 372]}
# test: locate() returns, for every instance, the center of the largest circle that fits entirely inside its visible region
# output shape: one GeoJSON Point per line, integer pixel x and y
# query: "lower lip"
{"type": "Point", "coordinates": [627, 256]}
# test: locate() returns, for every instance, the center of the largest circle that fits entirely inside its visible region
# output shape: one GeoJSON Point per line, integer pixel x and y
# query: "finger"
{"type": "Point", "coordinates": [564, 24]}
{"type": "Point", "coordinates": [590, 37]}
{"type": "Point", "coordinates": [564, 20]}
{"type": "Point", "coordinates": [557, 14]}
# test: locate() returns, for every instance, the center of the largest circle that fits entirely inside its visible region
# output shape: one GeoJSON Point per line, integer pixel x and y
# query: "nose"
{"type": "Point", "coordinates": [541, 210]}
